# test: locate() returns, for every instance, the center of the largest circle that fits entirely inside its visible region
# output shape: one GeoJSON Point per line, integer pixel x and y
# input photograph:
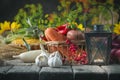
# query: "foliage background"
{"type": "Point", "coordinates": [9, 8]}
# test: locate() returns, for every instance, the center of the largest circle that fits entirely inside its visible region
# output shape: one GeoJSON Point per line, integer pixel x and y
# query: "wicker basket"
{"type": "Point", "coordinates": [55, 45]}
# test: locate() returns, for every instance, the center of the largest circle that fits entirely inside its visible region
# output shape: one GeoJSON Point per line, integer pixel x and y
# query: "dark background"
{"type": "Point", "coordinates": [9, 8]}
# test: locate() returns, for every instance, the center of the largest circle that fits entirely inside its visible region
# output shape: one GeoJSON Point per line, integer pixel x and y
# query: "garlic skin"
{"type": "Point", "coordinates": [43, 51]}
{"type": "Point", "coordinates": [41, 60]}
{"type": "Point", "coordinates": [55, 59]}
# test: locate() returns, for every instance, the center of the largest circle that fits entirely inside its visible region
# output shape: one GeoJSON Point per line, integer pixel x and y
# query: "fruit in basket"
{"type": "Point", "coordinates": [53, 35]}
{"type": "Point", "coordinates": [63, 29]}
{"type": "Point", "coordinates": [75, 35]}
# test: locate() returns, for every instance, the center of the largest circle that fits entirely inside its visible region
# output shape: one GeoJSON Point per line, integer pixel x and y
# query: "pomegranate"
{"type": "Point", "coordinates": [75, 35]}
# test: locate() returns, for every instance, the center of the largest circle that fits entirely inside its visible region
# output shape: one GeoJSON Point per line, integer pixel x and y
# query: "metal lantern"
{"type": "Point", "coordinates": [98, 44]}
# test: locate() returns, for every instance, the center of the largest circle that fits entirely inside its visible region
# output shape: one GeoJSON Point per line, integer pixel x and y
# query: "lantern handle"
{"type": "Point", "coordinates": [111, 27]}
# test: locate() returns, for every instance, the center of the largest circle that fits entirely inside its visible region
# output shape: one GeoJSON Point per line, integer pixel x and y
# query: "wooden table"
{"type": "Point", "coordinates": [81, 72]}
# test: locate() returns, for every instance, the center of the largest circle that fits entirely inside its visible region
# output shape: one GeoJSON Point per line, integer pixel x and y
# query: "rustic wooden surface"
{"type": "Point", "coordinates": [112, 71]}
{"type": "Point", "coordinates": [23, 73]}
{"type": "Point", "coordinates": [61, 73]}
{"type": "Point", "coordinates": [89, 72]}
{"type": "Point", "coordinates": [29, 71]}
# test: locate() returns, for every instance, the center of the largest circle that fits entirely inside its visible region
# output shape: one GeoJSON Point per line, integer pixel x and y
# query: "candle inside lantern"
{"type": "Point", "coordinates": [98, 61]}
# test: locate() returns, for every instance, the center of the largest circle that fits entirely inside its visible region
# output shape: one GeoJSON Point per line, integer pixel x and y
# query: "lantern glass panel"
{"type": "Point", "coordinates": [98, 44]}
{"type": "Point", "coordinates": [98, 49]}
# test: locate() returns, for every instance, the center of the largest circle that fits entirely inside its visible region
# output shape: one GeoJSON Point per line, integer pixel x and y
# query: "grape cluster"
{"type": "Point", "coordinates": [76, 54]}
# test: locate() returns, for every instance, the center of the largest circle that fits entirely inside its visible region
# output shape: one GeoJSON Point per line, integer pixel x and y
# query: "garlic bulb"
{"type": "Point", "coordinates": [55, 60]}
{"type": "Point", "coordinates": [58, 54]}
{"type": "Point", "coordinates": [42, 59]}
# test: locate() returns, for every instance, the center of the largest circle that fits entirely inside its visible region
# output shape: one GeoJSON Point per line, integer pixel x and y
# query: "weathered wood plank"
{"type": "Point", "coordinates": [17, 62]}
{"type": "Point", "coordinates": [61, 73]}
{"type": "Point", "coordinates": [89, 72]}
{"type": "Point", "coordinates": [3, 70]}
{"type": "Point", "coordinates": [113, 71]}
{"type": "Point", "coordinates": [23, 73]}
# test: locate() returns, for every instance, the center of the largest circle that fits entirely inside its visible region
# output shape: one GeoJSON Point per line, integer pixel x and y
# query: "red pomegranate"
{"type": "Point", "coordinates": [75, 35]}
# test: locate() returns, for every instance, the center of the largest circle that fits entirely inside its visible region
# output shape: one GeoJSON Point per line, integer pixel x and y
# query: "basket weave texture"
{"type": "Point", "coordinates": [58, 45]}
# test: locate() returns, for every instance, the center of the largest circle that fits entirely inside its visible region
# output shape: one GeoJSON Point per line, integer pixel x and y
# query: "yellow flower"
{"type": "Point", "coordinates": [1, 30]}
{"type": "Point", "coordinates": [117, 28]}
{"type": "Point", "coordinates": [4, 26]}
{"type": "Point", "coordinates": [80, 26]}
{"type": "Point", "coordinates": [14, 26]}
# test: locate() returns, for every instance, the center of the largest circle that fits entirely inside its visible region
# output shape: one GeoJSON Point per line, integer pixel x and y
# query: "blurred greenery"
{"type": "Point", "coordinates": [30, 11]}
{"type": "Point", "coordinates": [67, 11]}
{"type": "Point", "coordinates": [87, 12]}
{"type": "Point", "coordinates": [31, 19]}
